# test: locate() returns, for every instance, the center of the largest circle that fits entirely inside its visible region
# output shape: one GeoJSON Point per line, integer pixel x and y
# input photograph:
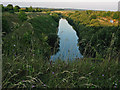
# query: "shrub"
{"type": "Point", "coordinates": [22, 16]}
{"type": "Point", "coordinates": [16, 8]}
{"type": "Point", "coordinates": [5, 26]}
{"type": "Point", "coordinates": [93, 17]}
{"type": "Point", "coordinates": [115, 16]}
{"type": "Point", "coordinates": [52, 39]}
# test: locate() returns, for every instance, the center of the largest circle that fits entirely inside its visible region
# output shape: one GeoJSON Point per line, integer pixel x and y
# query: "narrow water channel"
{"type": "Point", "coordinates": [69, 49]}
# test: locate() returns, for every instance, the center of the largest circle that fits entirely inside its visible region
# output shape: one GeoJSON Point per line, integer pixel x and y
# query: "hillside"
{"type": "Point", "coordinates": [28, 44]}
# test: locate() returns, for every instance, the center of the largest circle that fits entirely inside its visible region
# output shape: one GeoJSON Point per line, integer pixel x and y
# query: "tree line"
{"type": "Point", "coordinates": [10, 8]}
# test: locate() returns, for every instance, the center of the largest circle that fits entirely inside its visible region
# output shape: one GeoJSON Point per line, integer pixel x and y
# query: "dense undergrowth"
{"type": "Point", "coordinates": [95, 38]}
{"type": "Point", "coordinates": [26, 51]}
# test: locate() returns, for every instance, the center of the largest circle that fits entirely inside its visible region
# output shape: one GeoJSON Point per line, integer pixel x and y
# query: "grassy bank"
{"type": "Point", "coordinates": [26, 51]}
{"type": "Point", "coordinates": [97, 38]}
{"type": "Point", "coordinates": [26, 46]}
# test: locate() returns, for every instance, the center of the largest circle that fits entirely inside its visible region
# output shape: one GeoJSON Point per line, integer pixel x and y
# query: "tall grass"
{"type": "Point", "coordinates": [26, 65]}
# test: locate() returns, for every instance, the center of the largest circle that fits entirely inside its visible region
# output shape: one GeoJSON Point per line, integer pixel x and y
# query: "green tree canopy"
{"type": "Point", "coordinates": [10, 7]}
{"type": "Point", "coordinates": [30, 9]}
{"type": "Point", "coordinates": [16, 8]}
{"type": "Point", "coordinates": [93, 17]}
{"type": "Point", "coordinates": [115, 15]}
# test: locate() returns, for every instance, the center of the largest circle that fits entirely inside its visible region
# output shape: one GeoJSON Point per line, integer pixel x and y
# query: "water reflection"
{"type": "Point", "coordinates": [69, 48]}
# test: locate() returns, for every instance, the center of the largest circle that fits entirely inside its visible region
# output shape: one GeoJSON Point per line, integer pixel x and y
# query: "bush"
{"type": "Point", "coordinates": [11, 11]}
{"type": "Point", "coordinates": [16, 8]}
{"type": "Point", "coordinates": [5, 26]}
{"type": "Point", "coordinates": [115, 16]}
{"type": "Point", "coordinates": [22, 16]}
{"type": "Point", "coordinates": [93, 17]}
{"type": "Point", "coordinates": [52, 39]}
{"type": "Point", "coordinates": [56, 17]}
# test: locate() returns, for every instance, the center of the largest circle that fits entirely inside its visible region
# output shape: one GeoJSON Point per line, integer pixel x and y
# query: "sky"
{"type": "Point", "coordinates": [105, 5]}
{"type": "Point", "coordinates": [60, 0]}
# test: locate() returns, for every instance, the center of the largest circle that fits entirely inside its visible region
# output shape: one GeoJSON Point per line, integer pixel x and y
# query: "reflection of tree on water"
{"type": "Point", "coordinates": [55, 49]}
{"type": "Point", "coordinates": [53, 41]}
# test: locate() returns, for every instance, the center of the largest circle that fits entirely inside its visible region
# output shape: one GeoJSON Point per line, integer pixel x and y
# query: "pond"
{"type": "Point", "coordinates": [68, 46]}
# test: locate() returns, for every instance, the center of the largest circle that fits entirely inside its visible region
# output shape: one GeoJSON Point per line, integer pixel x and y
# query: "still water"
{"type": "Point", "coordinates": [69, 48]}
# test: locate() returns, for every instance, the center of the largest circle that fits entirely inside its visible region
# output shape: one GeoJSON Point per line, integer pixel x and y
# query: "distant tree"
{"type": "Point", "coordinates": [70, 14]}
{"type": "Point", "coordinates": [36, 9]}
{"type": "Point", "coordinates": [104, 14]}
{"type": "Point", "coordinates": [76, 11]}
{"type": "Point", "coordinates": [93, 17]}
{"type": "Point", "coordinates": [10, 8]}
{"type": "Point", "coordinates": [116, 15]}
{"type": "Point", "coordinates": [48, 12]}
{"type": "Point", "coordinates": [55, 16]}
{"type": "Point", "coordinates": [30, 9]}
{"type": "Point", "coordinates": [26, 9]}
{"type": "Point", "coordinates": [39, 10]}
{"type": "Point", "coordinates": [22, 16]}
{"type": "Point", "coordinates": [89, 11]}
{"type": "Point", "coordinates": [108, 13]}
{"type": "Point", "coordinates": [16, 8]}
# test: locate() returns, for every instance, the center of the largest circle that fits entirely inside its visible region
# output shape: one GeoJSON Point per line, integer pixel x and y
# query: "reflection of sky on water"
{"type": "Point", "coordinates": [68, 42]}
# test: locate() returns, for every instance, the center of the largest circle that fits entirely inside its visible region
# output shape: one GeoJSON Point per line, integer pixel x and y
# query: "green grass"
{"type": "Point", "coordinates": [26, 62]}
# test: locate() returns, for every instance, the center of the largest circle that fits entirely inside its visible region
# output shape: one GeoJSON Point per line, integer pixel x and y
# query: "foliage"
{"type": "Point", "coordinates": [56, 17]}
{"type": "Point", "coordinates": [116, 15]}
{"type": "Point", "coordinates": [22, 16]}
{"type": "Point", "coordinates": [52, 39]}
{"type": "Point", "coordinates": [10, 7]}
{"type": "Point", "coordinates": [6, 27]}
{"type": "Point", "coordinates": [30, 9]}
{"type": "Point", "coordinates": [93, 17]}
{"type": "Point", "coordinates": [95, 40]}
{"type": "Point", "coordinates": [26, 54]}
{"type": "Point", "coordinates": [16, 8]}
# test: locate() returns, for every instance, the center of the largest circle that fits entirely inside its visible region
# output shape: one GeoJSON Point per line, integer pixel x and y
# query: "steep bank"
{"type": "Point", "coordinates": [26, 47]}
{"type": "Point", "coordinates": [25, 66]}
{"type": "Point", "coordinates": [95, 38]}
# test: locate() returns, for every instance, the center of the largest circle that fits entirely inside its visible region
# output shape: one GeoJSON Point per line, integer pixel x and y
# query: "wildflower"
{"type": "Point", "coordinates": [15, 55]}
{"type": "Point", "coordinates": [44, 85]}
{"type": "Point", "coordinates": [33, 86]}
{"type": "Point", "coordinates": [14, 45]}
{"type": "Point", "coordinates": [23, 80]}
{"type": "Point", "coordinates": [89, 73]}
{"type": "Point", "coordinates": [103, 75]}
{"type": "Point", "coordinates": [50, 62]}
{"type": "Point", "coordinates": [116, 84]}
{"type": "Point", "coordinates": [52, 72]}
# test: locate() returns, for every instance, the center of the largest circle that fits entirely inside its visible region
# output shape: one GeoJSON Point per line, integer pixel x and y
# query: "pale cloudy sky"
{"type": "Point", "coordinates": [106, 5]}
{"type": "Point", "coordinates": [59, 0]}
